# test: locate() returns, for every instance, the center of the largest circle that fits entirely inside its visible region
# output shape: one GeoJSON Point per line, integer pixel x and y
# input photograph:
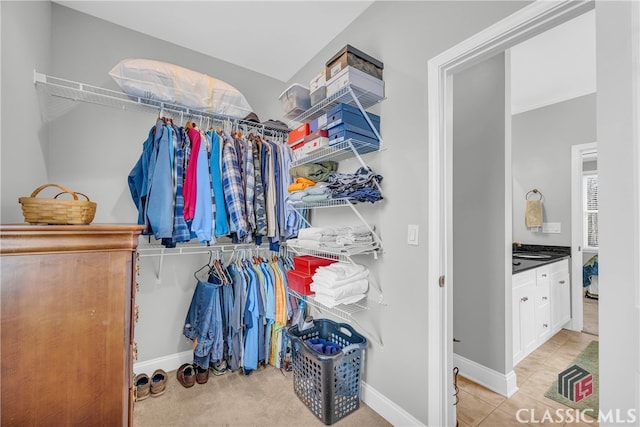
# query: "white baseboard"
{"type": "Point", "coordinates": [504, 384]}
{"type": "Point", "coordinates": [166, 363]}
{"type": "Point", "coordinates": [387, 409]}
{"type": "Point", "coordinates": [369, 395]}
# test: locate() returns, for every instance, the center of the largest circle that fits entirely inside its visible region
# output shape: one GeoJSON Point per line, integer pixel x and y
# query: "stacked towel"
{"type": "Point", "coordinates": [340, 283]}
{"type": "Point", "coordinates": [350, 240]}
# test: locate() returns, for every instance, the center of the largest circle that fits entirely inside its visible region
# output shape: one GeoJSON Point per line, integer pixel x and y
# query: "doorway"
{"type": "Point", "coordinates": [528, 22]}
{"type": "Point", "coordinates": [584, 238]}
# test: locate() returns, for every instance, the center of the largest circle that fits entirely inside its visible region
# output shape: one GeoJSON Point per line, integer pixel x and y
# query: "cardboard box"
{"type": "Point", "coordinates": [297, 135]}
{"type": "Point", "coordinates": [360, 82]}
{"type": "Point", "coordinates": [349, 56]}
{"type": "Point", "coordinates": [352, 116]}
{"type": "Point", "coordinates": [361, 143]}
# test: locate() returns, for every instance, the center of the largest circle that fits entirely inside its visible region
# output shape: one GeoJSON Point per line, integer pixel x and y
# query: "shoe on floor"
{"type": "Point", "coordinates": [158, 383]}
{"type": "Point", "coordinates": [219, 367]}
{"type": "Point", "coordinates": [186, 375]}
{"type": "Point", "coordinates": [142, 384]}
{"type": "Point", "coordinates": [202, 375]}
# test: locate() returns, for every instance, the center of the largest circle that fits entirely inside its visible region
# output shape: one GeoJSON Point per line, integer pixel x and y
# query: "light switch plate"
{"type": "Point", "coordinates": [551, 227]}
{"type": "Point", "coordinates": [412, 234]}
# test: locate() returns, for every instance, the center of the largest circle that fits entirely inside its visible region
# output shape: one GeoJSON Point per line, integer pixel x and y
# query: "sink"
{"type": "Point", "coordinates": [532, 256]}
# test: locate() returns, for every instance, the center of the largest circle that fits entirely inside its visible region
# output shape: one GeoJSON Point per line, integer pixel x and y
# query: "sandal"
{"type": "Point", "coordinates": [141, 382]}
{"type": "Point", "coordinates": [158, 382]}
{"type": "Point", "coordinates": [186, 375]}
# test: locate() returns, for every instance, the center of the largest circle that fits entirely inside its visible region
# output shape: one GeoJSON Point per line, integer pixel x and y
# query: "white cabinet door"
{"type": "Point", "coordinates": [543, 304]}
{"type": "Point", "coordinates": [560, 294]}
{"type": "Point", "coordinates": [523, 313]}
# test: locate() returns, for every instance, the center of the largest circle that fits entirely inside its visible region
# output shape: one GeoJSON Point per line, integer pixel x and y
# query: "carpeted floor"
{"type": "Point", "coordinates": [587, 360]}
{"type": "Point", "coordinates": [263, 398]}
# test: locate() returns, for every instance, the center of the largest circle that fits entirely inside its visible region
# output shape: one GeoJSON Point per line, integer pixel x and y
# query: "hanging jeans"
{"type": "Point", "coordinates": [204, 323]}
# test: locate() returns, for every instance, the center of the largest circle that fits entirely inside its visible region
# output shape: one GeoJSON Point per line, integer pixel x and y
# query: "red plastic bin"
{"type": "Point", "coordinates": [299, 282]}
{"type": "Point", "coordinates": [308, 263]}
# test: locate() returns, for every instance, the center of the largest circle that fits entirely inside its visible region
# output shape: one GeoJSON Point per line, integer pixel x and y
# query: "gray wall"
{"type": "Point", "coordinates": [26, 29]}
{"type": "Point", "coordinates": [479, 214]}
{"type": "Point", "coordinates": [404, 35]}
{"type": "Point", "coordinates": [541, 144]}
{"type": "Point", "coordinates": [619, 208]}
{"type": "Point", "coordinates": [94, 147]}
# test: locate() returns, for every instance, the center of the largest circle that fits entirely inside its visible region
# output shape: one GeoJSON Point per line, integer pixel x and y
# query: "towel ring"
{"type": "Point", "coordinates": [534, 191]}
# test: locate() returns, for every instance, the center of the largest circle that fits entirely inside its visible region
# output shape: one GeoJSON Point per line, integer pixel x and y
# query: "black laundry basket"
{"type": "Point", "coordinates": [329, 385]}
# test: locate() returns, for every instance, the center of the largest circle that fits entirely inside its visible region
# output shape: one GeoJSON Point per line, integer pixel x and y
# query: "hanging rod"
{"type": "Point", "coordinates": [76, 91]}
{"type": "Point", "coordinates": [161, 251]}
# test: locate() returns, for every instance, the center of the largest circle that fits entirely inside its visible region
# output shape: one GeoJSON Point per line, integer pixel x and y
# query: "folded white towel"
{"type": "Point", "coordinates": [341, 292]}
{"type": "Point", "coordinates": [329, 281]}
{"type": "Point", "coordinates": [340, 270]}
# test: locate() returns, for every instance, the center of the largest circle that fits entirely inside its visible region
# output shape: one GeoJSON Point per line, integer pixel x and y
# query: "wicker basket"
{"type": "Point", "coordinates": [57, 211]}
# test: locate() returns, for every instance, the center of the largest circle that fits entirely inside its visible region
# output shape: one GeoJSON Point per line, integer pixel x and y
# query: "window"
{"type": "Point", "coordinates": [590, 210]}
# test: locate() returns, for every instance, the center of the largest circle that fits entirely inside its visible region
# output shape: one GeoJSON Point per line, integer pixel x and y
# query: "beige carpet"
{"type": "Point", "coordinates": [263, 398]}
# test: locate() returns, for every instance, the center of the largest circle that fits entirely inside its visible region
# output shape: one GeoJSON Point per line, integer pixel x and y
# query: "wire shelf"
{"type": "Point", "coordinates": [366, 99]}
{"type": "Point", "coordinates": [337, 255]}
{"type": "Point", "coordinates": [76, 91]}
{"type": "Point", "coordinates": [342, 311]}
{"type": "Point", "coordinates": [337, 152]}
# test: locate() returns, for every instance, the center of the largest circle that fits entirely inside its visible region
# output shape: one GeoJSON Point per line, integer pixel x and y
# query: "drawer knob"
{"type": "Point", "coordinates": [544, 275]}
{"type": "Point", "coordinates": [136, 313]}
{"type": "Point", "coordinates": [524, 299]}
{"type": "Point", "coordinates": [562, 282]}
{"type": "Point", "coordinates": [544, 298]}
{"type": "Point", "coordinates": [135, 351]}
{"type": "Point", "coordinates": [545, 325]}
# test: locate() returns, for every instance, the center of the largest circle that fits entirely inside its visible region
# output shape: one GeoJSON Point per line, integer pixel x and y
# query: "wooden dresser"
{"type": "Point", "coordinates": [67, 331]}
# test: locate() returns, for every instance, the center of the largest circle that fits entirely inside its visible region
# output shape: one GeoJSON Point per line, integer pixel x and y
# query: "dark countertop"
{"type": "Point", "coordinates": [541, 255]}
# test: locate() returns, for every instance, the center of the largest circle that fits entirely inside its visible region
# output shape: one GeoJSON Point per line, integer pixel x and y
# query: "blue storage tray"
{"type": "Point", "coordinates": [347, 114]}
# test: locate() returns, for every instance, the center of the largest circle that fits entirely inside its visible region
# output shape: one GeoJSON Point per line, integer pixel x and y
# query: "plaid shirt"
{"type": "Point", "coordinates": [180, 230]}
{"type": "Point", "coordinates": [232, 186]}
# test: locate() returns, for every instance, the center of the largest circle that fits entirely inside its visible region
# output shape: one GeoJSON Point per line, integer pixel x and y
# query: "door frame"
{"type": "Point", "coordinates": [577, 225]}
{"type": "Point", "coordinates": [522, 25]}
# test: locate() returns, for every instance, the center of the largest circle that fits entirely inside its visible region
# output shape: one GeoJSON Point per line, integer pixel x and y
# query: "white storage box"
{"type": "Point", "coordinates": [359, 81]}
{"type": "Point", "coordinates": [295, 100]}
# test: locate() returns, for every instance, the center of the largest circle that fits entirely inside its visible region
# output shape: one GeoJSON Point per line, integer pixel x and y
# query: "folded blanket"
{"type": "Point", "coordinates": [340, 292]}
{"type": "Point", "coordinates": [331, 282]}
{"type": "Point", "coordinates": [338, 271]}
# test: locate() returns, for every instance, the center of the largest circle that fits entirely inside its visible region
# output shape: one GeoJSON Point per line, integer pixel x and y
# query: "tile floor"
{"type": "Point", "coordinates": [478, 406]}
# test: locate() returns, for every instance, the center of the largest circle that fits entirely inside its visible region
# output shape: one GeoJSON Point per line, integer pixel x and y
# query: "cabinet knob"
{"type": "Point", "coordinates": [543, 275]}
{"type": "Point", "coordinates": [135, 350]}
{"type": "Point", "coordinates": [562, 282]}
{"type": "Point", "coordinates": [544, 298]}
{"type": "Point", "coordinates": [137, 269]}
{"type": "Point", "coordinates": [137, 287]}
{"type": "Point", "coordinates": [545, 325]}
{"type": "Point", "coordinates": [524, 299]}
{"type": "Point", "coordinates": [136, 313]}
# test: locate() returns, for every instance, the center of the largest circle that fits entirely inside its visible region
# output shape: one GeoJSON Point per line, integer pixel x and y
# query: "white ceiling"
{"type": "Point", "coordinates": [295, 30]}
{"type": "Point", "coordinates": [552, 67]}
{"type": "Point", "coordinates": [557, 65]}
